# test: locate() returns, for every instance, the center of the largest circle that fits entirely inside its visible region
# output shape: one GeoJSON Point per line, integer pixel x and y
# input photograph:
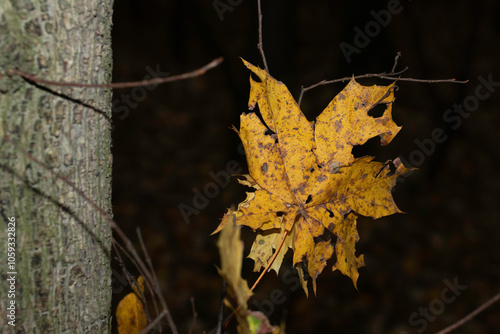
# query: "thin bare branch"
{"type": "Point", "coordinates": [143, 83]}
{"type": "Point", "coordinates": [150, 264]}
{"type": "Point", "coordinates": [195, 316]}
{"type": "Point", "coordinates": [260, 46]}
{"type": "Point", "coordinates": [384, 75]}
{"type": "Point", "coordinates": [220, 320]}
{"type": "Point", "coordinates": [132, 281]}
{"type": "Point", "coordinates": [398, 55]}
{"type": "Point", "coordinates": [471, 315]}
{"type": "Point", "coordinates": [368, 75]}
{"type": "Point", "coordinates": [116, 245]}
{"type": "Point", "coordinates": [154, 322]}
{"type": "Point", "coordinates": [452, 80]}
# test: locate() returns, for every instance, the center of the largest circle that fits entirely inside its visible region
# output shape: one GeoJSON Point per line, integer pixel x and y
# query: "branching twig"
{"type": "Point", "coordinates": [471, 315]}
{"type": "Point", "coordinates": [143, 83]}
{"type": "Point", "coordinates": [384, 75]}
{"type": "Point", "coordinates": [260, 46]}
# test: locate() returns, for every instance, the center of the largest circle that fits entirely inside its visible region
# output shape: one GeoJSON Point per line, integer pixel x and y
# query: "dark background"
{"type": "Point", "coordinates": [170, 142]}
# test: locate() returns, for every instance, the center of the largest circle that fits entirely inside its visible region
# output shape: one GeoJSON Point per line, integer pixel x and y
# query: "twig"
{"type": "Point", "coordinates": [143, 83]}
{"type": "Point", "coordinates": [260, 46]}
{"type": "Point", "coordinates": [154, 322]}
{"type": "Point", "coordinates": [384, 75]}
{"type": "Point", "coordinates": [69, 98]}
{"type": "Point", "coordinates": [195, 316]}
{"type": "Point", "coordinates": [220, 319]}
{"type": "Point", "coordinates": [398, 55]}
{"type": "Point", "coordinates": [471, 315]}
{"type": "Point", "coordinates": [452, 80]}
{"type": "Point", "coordinates": [149, 263]}
{"type": "Point", "coordinates": [369, 75]}
{"type": "Point", "coordinates": [128, 244]}
{"type": "Point", "coordinates": [131, 281]}
{"type": "Point", "coordinates": [116, 245]}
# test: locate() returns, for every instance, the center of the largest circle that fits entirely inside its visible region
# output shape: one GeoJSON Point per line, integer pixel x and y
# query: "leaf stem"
{"type": "Point", "coordinates": [471, 315]}
{"type": "Point", "coordinates": [270, 262]}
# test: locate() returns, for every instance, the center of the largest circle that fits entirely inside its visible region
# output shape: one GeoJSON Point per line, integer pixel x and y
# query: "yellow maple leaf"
{"type": "Point", "coordinates": [130, 314]}
{"type": "Point", "coordinates": [307, 181]}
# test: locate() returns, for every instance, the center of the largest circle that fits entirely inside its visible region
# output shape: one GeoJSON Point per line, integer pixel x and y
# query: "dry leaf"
{"type": "Point", "coordinates": [231, 253]}
{"type": "Point", "coordinates": [305, 178]}
{"type": "Point", "coordinates": [130, 314]}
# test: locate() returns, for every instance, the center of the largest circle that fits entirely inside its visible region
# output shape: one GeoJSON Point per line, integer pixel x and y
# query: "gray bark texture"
{"type": "Point", "coordinates": [62, 244]}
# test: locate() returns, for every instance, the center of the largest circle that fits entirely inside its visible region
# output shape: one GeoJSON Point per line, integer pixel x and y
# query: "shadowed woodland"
{"type": "Point", "coordinates": [177, 137]}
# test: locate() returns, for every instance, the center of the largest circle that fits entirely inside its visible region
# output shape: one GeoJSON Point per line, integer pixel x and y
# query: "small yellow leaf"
{"type": "Point", "coordinates": [130, 314]}
{"type": "Point", "coordinates": [264, 246]}
{"type": "Point", "coordinates": [140, 284]}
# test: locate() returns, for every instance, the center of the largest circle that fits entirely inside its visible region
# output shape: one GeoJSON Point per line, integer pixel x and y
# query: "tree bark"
{"type": "Point", "coordinates": [62, 267]}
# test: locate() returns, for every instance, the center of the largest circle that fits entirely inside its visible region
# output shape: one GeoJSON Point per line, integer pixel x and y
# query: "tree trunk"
{"type": "Point", "coordinates": [61, 265]}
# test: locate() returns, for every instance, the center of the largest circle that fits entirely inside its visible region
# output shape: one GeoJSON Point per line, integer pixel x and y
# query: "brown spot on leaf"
{"type": "Point", "coordinates": [263, 168]}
